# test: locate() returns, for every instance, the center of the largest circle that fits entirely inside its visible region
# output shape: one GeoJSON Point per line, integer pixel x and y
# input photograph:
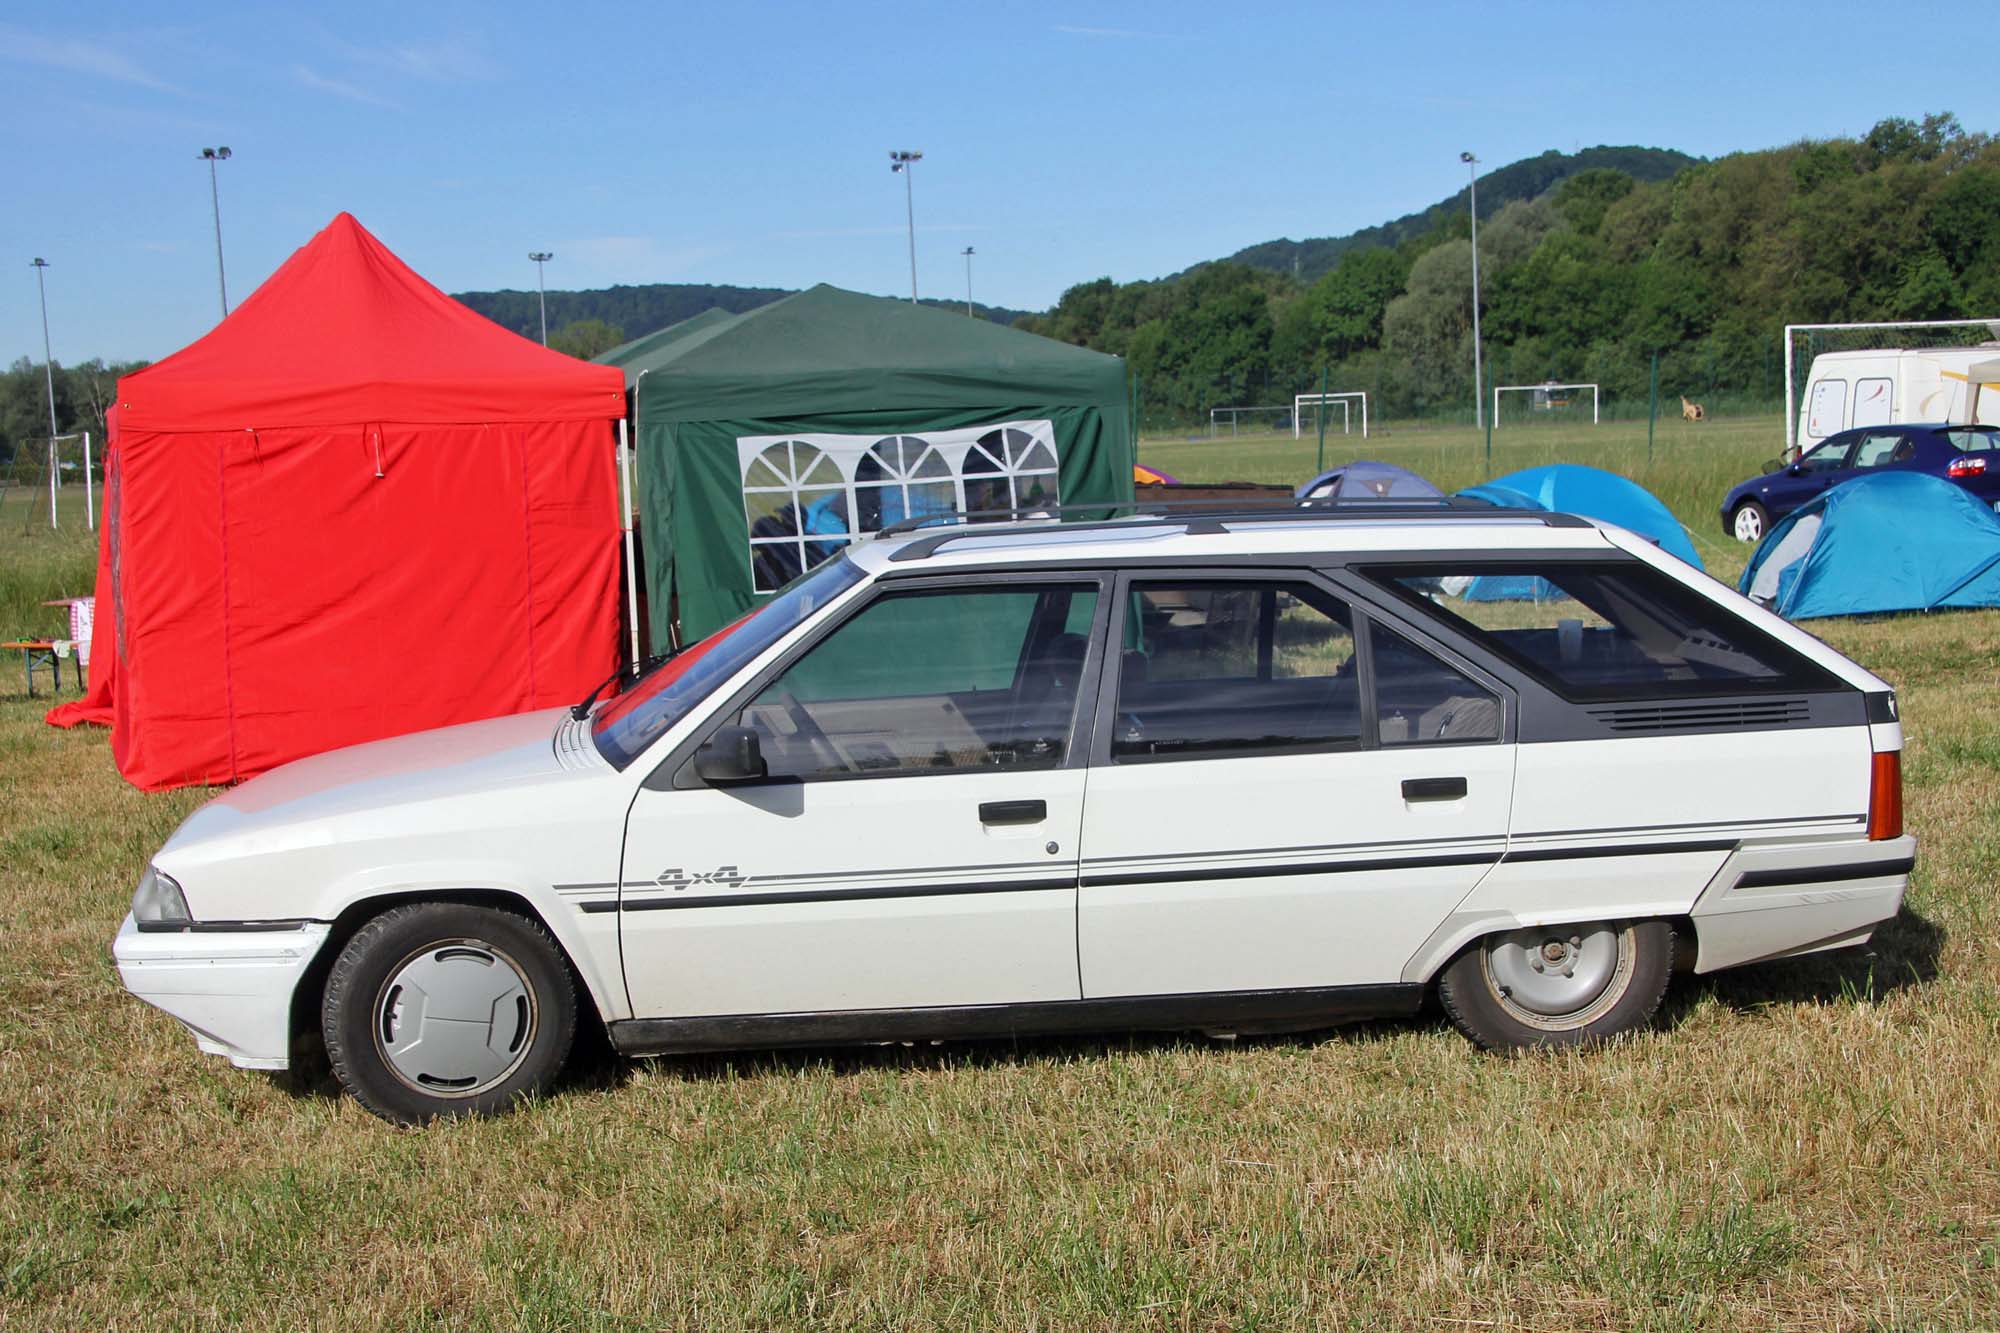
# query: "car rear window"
{"type": "Point", "coordinates": [1603, 631]}
{"type": "Point", "coordinates": [1972, 439]}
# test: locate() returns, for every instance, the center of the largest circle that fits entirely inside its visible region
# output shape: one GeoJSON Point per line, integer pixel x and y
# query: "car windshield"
{"type": "Point", "coordinates": [635, 719]}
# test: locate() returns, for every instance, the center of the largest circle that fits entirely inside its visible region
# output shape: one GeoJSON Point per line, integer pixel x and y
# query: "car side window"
{"type": "Point", "coordinates": [1420, 699]}
{"type": "Point", "coordinates": [1830, 456]}
{"type": "Point", "coordinates": [1224, 667]}
{"type": "Point", "coordinates": [1880, 446]}
{"type": "Point", "coordinates": [932, 682]}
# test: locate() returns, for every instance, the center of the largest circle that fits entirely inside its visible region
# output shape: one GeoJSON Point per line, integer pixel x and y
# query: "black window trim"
{"type": "Point", "coordinates": [1812, 679]}
{"type": "Point", "coordinates": [676, 771]}
{"type": "Point", "coordinates": [1362, 613]}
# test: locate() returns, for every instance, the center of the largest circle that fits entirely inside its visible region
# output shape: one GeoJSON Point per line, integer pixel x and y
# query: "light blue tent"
{"type": "Point", "coordinates": [1571, 488]}
{"type": "Point", "coordinates": [1890, 541]}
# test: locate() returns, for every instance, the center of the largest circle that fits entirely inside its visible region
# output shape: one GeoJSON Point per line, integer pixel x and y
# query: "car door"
{"type": "Point", "coordinates": [1818, 469]}
{"type": "Point", "coordinates": [913, 840]}
{"type": "Point", "coordinates": [1282, 795]}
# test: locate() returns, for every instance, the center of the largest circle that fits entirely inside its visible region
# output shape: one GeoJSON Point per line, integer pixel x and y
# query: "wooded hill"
{"type": "Point", "coordinates": [1584, 281]}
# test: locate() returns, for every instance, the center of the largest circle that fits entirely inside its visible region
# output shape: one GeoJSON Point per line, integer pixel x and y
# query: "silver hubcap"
{"type": "Point", "coordinates": [1560, 977]}
{"type": "Point", "coordinates": [455, 1018]}
{"type": "Point", "coordinates": [1749, 527]}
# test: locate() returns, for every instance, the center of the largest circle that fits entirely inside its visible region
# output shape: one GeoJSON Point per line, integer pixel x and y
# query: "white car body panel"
{"type": "Point", "coordinates": [826, 896]}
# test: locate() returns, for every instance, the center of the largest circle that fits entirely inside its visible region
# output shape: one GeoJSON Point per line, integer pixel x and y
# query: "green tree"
{"type": "Point", "coordinates": [585, 338]}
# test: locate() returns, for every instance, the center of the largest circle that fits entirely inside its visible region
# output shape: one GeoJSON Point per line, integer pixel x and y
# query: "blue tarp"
{"type": "Point", "coordinates": [1571, 488]}
{"type": "Point", "coordinates": [1893, 541]}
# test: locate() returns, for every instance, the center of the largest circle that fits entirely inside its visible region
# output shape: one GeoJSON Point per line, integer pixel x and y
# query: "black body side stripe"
{"type": "Point", "coordinates": [832, 895]}
{"type": "Point", "coordinates": [1288, 868]}
{"type": "Point", "coordinates": [1628, 849]}
{"type": "Point", "coordinates": [1771, 879]}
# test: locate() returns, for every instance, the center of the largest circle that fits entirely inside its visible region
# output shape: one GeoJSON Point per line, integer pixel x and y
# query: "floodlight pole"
{"type": "Point", "coordinates": [905, 161]}
{"type": "Point", "coordinates": [968, 281]}
{"type": "Point", "coordinates": [49, 378]}
{"type": "Point", "coordinates": [542, 257]}
{"type": "Point", "coordinates": [213, 156]}
{"type": "Point", "coordinates": [1478, 376]}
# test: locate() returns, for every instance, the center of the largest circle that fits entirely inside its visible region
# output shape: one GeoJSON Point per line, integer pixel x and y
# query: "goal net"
{"type": "Point", "coordinates": [1307, 407]}
{"type": "Point", "coordinates": [1545, 402]}
{"type": "Point", "coordinates": [1806, 342]}
{"type": "Point", "coordinates": [53, 479]}
{"type": "Point", "coordinates": [1234, 421]}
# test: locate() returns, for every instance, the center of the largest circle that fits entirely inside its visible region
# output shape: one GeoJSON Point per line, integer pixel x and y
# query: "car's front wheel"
{"type": "Point", "coordinates": [444, 1009]}
{"type": "Point", "coordinates": [1749, 522]}
{"type": "Point", "coordinates": [1562, 985]}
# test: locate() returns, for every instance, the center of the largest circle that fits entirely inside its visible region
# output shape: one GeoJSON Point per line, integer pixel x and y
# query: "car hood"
{"type": "Point", "coordinates": [425, 766]}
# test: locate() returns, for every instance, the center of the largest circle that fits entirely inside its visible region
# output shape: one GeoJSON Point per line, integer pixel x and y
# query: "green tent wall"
{"type": "Point", "coordinates": [828, 362]}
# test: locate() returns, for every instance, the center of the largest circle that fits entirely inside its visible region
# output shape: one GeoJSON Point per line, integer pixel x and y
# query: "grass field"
{"type": "Point", "coordinates": [1803, 1145]}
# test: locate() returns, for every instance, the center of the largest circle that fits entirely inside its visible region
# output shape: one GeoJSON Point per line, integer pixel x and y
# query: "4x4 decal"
{"type": "Point", "coordinates": [678, 879]}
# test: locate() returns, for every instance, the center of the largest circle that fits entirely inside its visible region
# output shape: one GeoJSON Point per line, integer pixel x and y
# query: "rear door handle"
{"type": "Point", "coordinates": [1013, 812]}
{"type": "Point", "coordinates": [1433, 789]}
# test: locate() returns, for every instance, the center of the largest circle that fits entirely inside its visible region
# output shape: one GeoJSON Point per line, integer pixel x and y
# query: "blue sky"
{"type": "Point", "coordinates": [747, 143]}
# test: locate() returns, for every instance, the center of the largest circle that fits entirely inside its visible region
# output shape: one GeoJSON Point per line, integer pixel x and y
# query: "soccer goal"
{"type": "Point", "coordinates": [1546, 397]}
{"type": "Point", "coordinates": [1217, 415]}
{"type": "Point", "coordinates": [1804, 342]}
{"type": "Point", "coordinates": [49, 465]}
{"type": "Point", "coordinates": [1320, 402]}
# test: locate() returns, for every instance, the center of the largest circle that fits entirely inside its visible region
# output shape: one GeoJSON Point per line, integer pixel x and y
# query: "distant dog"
{"type": "Point", "coordinates": [1691, 411]}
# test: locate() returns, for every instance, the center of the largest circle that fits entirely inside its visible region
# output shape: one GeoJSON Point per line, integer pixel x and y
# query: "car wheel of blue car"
{"type": "Point", "coordinates": [1750, 522]}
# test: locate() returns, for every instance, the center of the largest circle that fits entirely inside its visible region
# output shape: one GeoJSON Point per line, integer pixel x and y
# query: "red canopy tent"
{"type": "Point", "coordinates": [354, 509]}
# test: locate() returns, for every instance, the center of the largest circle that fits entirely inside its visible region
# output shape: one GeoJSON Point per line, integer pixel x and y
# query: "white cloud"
{"type": "Point", "coordinates": [337, 87]}
{"type": "Point", "coordinates": [439, 60]}
{"type": "Point", "coordinates": [76, 56]}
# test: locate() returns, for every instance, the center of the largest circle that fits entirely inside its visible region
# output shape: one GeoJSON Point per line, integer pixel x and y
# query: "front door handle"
{"type": "Point", "coordinates": [1013, 812]}
{"type": "Point", "coordinates": [1433, 789]}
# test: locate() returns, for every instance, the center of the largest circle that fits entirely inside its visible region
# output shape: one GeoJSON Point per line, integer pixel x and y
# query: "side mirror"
{"type": "Point", "coordinates": [732, 754]}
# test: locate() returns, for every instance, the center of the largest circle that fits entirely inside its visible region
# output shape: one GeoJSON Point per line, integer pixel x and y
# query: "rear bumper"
{"type": "Point", "coordinates": [1775, 901]}
{"type": "Point", "coordinates": [231, 989]}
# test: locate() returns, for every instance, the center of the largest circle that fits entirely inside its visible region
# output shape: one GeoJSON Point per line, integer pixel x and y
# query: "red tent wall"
{"type": "Point", "coordinates": [267, 591]}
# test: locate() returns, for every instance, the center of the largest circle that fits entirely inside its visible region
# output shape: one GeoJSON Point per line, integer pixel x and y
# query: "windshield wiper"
{"type": "Point", "coordinates": [580, 711]}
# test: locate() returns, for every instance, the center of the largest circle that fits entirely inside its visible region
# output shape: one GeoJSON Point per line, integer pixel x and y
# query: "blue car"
{"type": "Point", "coordinates": [1968, 455]}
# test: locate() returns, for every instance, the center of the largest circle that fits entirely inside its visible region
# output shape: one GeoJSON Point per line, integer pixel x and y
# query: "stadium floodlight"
{"type": "Point", "coordinates": [1320, 401]}
{"type": "Point", "coordinates": [1929, 328]}
{"type": "Point", "coordinates": [213, 156]}
{"type": "Point", "coordinates": [541, 257]}
{"type": "Point", "coordinates": [967, 252]}
{"type": "Point", "coordinates": [1478, 374]}
{"type": "Point", "coordinates": [905, 160]}
{"type": "Point", "coordinates": [1544, 389]}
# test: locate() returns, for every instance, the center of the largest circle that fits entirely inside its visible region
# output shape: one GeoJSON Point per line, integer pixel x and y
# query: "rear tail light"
{"type": "Point", "coordinates": [1966, 467]}
{"type": "Point", "coordinates": [1885, 796]}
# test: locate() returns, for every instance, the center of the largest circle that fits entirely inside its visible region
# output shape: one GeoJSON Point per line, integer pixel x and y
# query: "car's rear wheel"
{"type": "Point", "coordinates": [1562, 985]}
{"type": "Point", "coordinates": [445, 1009]}
{"type": "Point", "coordinates": [1749, 522]}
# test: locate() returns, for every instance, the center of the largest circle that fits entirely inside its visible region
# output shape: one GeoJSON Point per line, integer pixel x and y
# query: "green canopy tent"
{"type": "Point", "coordinates": [770, 439]}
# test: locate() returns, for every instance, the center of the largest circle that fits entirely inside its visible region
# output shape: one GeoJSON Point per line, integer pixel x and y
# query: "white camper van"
{"type": "Point", "coordinates": [1886, 386]}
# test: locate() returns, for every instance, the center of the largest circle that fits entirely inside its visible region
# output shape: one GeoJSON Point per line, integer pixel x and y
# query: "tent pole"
{"type": "Point", "coordinates": [625, 522]}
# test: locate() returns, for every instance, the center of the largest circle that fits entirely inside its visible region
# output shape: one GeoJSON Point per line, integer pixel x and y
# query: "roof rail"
{"type": "Point", "coordinates": [1194, 517]}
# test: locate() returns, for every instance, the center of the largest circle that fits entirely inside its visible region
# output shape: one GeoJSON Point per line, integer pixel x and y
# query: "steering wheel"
{"type": "Point", "coordinates": [814, 735]}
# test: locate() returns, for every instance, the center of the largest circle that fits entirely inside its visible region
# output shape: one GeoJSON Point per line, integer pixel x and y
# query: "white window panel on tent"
{"type": "Point", "coordinates": [806, 496]}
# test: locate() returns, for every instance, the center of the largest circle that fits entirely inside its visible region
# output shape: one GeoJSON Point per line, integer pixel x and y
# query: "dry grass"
{"type": "Point", "coordinates": [1804, 1145]}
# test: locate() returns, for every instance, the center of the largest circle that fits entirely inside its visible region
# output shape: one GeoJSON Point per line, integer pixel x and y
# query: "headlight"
{"type": "Point", "coordinates": [159, 901]}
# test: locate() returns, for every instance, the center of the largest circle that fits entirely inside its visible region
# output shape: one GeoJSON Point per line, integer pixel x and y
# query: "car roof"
{"type": "Point", "coordinates": [1391, 530]}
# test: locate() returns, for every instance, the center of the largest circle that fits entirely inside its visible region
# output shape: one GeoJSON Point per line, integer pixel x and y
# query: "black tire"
{"type": "Point", "coordinates": [1482, 1008]}
{"type": "Point", "coordinates": [1747, 515]}
{"type": "Point", "coordinates": [527, 1036]}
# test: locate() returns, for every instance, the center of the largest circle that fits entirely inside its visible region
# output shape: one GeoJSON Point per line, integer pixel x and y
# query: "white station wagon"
{"type": "Point", "coordinates": [1210, 773]}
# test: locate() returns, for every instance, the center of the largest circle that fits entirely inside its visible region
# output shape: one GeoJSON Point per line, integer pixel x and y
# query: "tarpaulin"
{"type": "Point", "coordinates": [356, 509]}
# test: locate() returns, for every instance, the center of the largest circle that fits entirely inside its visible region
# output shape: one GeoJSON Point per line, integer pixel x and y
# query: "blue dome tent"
{"type": "Point", "coordinates": [1366, 479]}
{"type": "Point", "coordinates": [1571, 488]}
{"type": "Point", "coordinates": [1891, 541]}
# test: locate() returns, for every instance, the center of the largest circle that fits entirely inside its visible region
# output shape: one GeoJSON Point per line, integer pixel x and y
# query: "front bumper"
{"type": "Point", "coordinates": [232, 989]}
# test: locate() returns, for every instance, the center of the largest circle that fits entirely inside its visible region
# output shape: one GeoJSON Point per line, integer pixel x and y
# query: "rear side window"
{"type": "Point", "coordinates": [1594, 632]}
{"type": "Point", "coordinates": [1972, 439]}
{"type": "Point", "coordinates": [1228, 668]}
